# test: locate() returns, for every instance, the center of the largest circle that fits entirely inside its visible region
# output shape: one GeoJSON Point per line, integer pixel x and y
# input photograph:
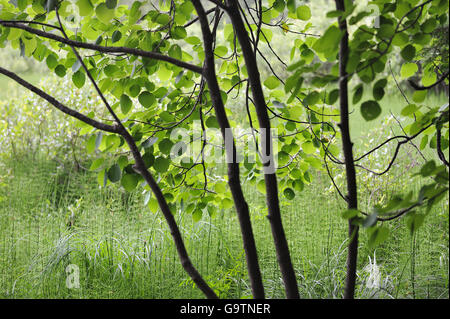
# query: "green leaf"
{"type": "Point", "coordinates": [129, 182]}
{"type": "Point", "coordinates": [51, 61]}
{"type": "Point", "coordinates": [162, 19]}
{"type": "Point", "coordinates": [116, 36]}
{"type": "Point", "coordinates": [308, 147]}
{"type": "Point", "coordinates": [85, 7]}
{"type": "Point", "coordinates": [111, 4]}
{"type": "Point", "coordinates": [165, 146]}
{"type": "Point", "coordinates": [279, 5]}
{"type": "Point", "coordinates": [197, 215]}
{"type": "Point", "coordinates": [359, 89]}
{"type": "Point", "coordinates": [114, 173]}
{"type": "Point", "coordinates": [428, 168]}
{"type": "Point", "coordinates": [289, 193]}
{"type": "Point", "coordinates": [409, 109]}
{"type": "Point", "coordinates": [161, 164]}
{"type": "Point", "coordinates": [135, 12]}
{"type": "Point", "coordinates": [378, 91]}
{"type": "Point", "coordinates": [419, 96]}
{"type": "Point", "coordinates": [370, 110]}
{"type": "Point", "coordinates": [125, 103]}
{"type": "Point", "coordinates": [349, 213]}
{"type": "Point", "coordinates": [333, 96]}
{"type": "Point", "coordinates": [104, 14]}
{"type": "Point", "coordinates": [329, 41]}
{"type": "Point", "coordinates": [378, 235]}
{"type": "Point", "coordinates": [96, 164]}
{"type": "Point", "coordinates": [414, 221]}
{"type": "Point", "coordinates": [146, 99]}
{"type": "Point", "coordinates": [179, 32]}
{"type": "Point", "coordinates": [78, 78]}
{"type": "Point", "coordinates": [221, 50]}
{"type": "Point", "coordinates": [408, 70]}
{"type": "Point", "coordinates": [60, 70]}
{"type": "Point", "coordinates": [370, 220]}
{"type": "Point", "coordinates": [271, 82]}
{"type": "Point", "coordinates": [303, 13]}
{"type": "Point", "coordinates": [408, 52]}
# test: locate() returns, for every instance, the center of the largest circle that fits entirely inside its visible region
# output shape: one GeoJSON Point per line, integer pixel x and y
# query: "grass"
{"type": "Point", "coordinates": [124, 251]}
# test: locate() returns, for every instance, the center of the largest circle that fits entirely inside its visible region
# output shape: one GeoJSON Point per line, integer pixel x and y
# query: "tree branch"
{"type": "Point", "coordinates": [104, 49]}
{"type": "Point", "coordinates": [59, 105]}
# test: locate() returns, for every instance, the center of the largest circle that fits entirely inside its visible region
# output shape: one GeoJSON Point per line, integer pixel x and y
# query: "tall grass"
{"type": "Point", "coordinates": [53, 217]}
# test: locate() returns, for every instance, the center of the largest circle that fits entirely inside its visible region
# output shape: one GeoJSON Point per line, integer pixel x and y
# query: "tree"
{"type": "Point", "coordinates": [157, 81]}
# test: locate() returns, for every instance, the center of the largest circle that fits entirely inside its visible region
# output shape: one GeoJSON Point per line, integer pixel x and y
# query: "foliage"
{"type": "Point", "coordinates": [168, 100]}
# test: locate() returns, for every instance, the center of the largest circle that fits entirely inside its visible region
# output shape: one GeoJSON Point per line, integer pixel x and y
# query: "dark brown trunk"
{"type": "Point", "coordinates": [347, 145]}
{"type": "Point", "coordinates": [233, 167]}
{"type": "Point", "coordinates": [274, 214]}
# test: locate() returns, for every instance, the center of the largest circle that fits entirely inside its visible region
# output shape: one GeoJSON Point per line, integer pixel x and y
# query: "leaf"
{"type": "Point", "coordinates": [378, 235]}
{"type": "Point", "coordinates": [197, 215]}
{"type": "Point", "coordinates": [85, 7]}
{"type": "Point", "coordinates": [116, 36]}
{"type": "Point", "coordinates": [419, 96]}
{"type": "Point", "coordinates": [408, 52]}
{"type": "Point", "coordinates": [114, 173]}
{"type": "Point", "coordinates": [370, 220]}
{"type": "Point", "coordinates": [111, 4]}
{"type": "Point", "coordinates": [161, 164]}
{"type": "Point", "coordinates": [329, 41]}
{"type": "Point", "coordinates": [333, 96]}
{"type": "Point", "coordinates": [261, 186]}
{"type": "Point", "coordinates": [221, 50]}
{"type": "Point", "coordinates": [129, 182]}
{"type": "Point", "coordinates": [409, 109]}
{"type": "Point", "coordinates": [179, 32]}
{"type": "Point", "coordinates": [359, 89]}
{"type": "Point", "coordinates": [60, 70]}
{"type": "Point", "coordinates": [303, 13]}
{"type": "Point", "coordinates": [289, 193]}
{"type": "Point", "coordinates": [428, 168]}
{"type": "Point", "coordinates": [308, 147]}
{"type": "Point", "coordinates": [271, 82]}
{"type": "Point", "coordinates": [408, 70]}
{"type": "Point", "coordinates": [165, 146]}
{"type": "Point", "coordinates": [146, 99]}
{"type": "Point", "coordinates": [78, 78]}
{"type": "Point", "coordinates": [96, 164]}
{"type": "Point", "coordinates": [125, 103]}
{"type": "Point", "coordinates": [349, 213]}
{"type": "Point", "coordinates": [104, 14]}
{"type": "Point", "coordinates": [135, 12]}
{"type": "Point", "coordinates": [370, 110]}
{"type": "Point", "coordinates": [51, 61]}
{"type": "Point", "coordinates": [414, 221]}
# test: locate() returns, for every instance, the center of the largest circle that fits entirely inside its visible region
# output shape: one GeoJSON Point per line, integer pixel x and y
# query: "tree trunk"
{"type": "Point", "coordinates": [274, 214]}
{"type": "Point", "coordinates": [347, 145]}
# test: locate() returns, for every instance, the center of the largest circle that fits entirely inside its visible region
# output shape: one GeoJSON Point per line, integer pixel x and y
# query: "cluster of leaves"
{"type": "Point", "coordinates": [404, 26]}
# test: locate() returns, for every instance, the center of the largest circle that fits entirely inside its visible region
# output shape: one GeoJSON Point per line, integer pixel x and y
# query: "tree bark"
{"type": "Point", "coordinates": [233, 166]}
{"type": "Point", "coordinates": [271, 183]}
{"type": "Point", "coordinates": [347, 145]}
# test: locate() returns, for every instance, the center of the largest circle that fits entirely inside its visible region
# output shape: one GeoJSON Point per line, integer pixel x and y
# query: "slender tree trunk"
{"type": "Point", "coordinates": [347, 145]}
{"type": "Point", "coordinates": [274, 214]}
{"type": "Point", "coordinates": [233, 166]}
